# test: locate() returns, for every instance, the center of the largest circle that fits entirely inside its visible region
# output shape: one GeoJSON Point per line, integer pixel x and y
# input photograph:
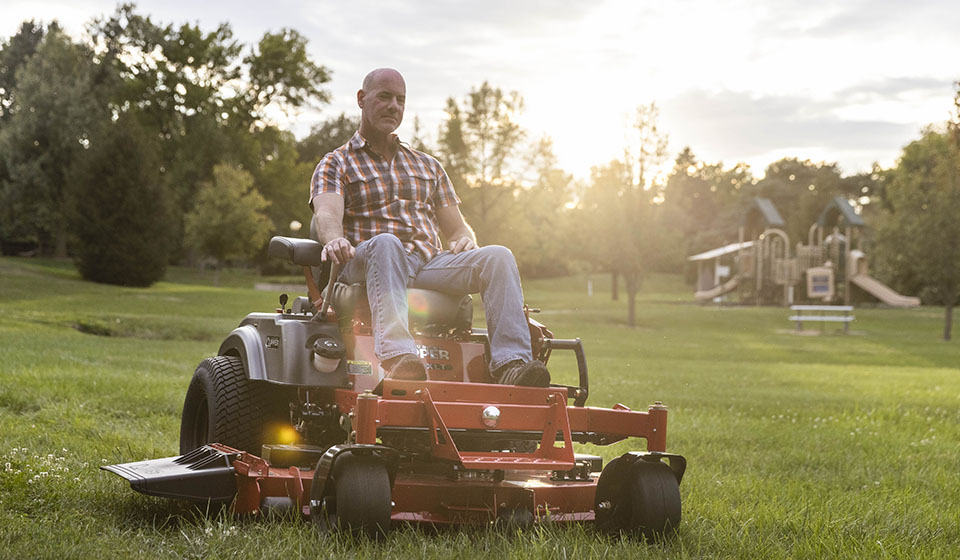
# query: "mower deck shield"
{"type": "Point", "coordinates": [204, 474]}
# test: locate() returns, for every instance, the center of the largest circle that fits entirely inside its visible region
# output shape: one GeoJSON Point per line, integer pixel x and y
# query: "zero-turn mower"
{"type": "Point", "coordinates": [454, 449]}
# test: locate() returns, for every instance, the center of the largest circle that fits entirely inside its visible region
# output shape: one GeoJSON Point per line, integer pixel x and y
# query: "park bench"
{"type": "Point", "coordinates": [823, 314]}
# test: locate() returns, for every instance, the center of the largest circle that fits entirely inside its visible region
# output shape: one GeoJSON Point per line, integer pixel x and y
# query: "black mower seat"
{"type": "Point", "coordinates": [429, 310]}
{"type": "Point", "coordinates": [302, 252]}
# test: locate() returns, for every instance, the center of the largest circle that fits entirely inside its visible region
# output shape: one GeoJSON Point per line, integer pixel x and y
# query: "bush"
{"type": "Point", "coordinates": [227, 220]}
{"type": "Point", "coordinates": [119, 213]}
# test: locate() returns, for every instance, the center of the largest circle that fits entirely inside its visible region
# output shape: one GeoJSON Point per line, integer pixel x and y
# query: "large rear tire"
{"type": "Point", "coordinates": [638, 498]}
{"type": "Point", "coordinates": [223, 405]}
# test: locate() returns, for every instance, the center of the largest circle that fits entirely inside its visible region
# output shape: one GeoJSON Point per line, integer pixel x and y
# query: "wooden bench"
{"type": "Point", "coordinates": [823, 314]}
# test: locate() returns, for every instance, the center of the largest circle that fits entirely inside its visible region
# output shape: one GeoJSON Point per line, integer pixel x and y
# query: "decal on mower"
{"type": "Point", "coordinates": [433, 352]}
{"type": "Point", "coordinates": [355, 367]}
{"type": "Point", "coordinates": [273, 342]}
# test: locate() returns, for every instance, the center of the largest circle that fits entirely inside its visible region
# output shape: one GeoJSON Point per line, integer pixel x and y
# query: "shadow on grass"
{"type": "Point", "coordinates": [139, 512]}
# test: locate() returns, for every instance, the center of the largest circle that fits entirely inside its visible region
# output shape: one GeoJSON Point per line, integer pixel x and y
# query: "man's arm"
{"type": "Point", "coordinates": [458, 232]}
{"type": "Point", "coordinates": [328, 219]}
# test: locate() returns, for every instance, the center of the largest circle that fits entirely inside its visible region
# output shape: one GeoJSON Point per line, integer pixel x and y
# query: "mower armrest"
{"type": "Point", "coordinates": [303, 252]}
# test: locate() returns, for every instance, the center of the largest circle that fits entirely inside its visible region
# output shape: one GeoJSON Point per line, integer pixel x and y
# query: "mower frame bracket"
{"type": "Point", "coordinates": [677, 463]}
{"type": "Point", "coordinates": [546, 457]}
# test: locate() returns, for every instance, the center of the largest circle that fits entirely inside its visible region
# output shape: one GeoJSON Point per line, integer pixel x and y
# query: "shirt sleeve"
{"type": "Point", "coordinates": [327, 177]}
{"type": "Point", "coordinates": [445, 194]}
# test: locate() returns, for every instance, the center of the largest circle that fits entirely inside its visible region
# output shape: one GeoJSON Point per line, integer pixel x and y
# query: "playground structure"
{"type": "Point", "coordinates": [765, 272]}
{"type": "Point", "coordinates": [760, 269]}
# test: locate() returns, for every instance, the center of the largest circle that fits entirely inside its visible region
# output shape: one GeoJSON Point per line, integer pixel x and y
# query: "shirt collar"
{"type": "Point", "coordinates": [357, 142]}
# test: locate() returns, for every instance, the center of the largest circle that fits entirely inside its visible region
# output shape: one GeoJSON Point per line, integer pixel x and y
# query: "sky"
{"type": "Point", "coordinates": [848, 81]}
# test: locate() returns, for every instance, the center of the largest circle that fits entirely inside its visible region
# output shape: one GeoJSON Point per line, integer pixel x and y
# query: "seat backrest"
{"type": "Point", "coordinates": [430, 312]}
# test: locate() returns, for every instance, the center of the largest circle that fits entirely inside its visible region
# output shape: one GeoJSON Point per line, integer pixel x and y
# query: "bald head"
{"type": "Point", "coordinates": [375, 76]}
{"type": "Point", "coordinates": [381, 99]}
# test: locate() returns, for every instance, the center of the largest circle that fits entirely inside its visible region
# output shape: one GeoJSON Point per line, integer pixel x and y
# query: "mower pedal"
{"type": "Point", "coordinates": [202, 475]}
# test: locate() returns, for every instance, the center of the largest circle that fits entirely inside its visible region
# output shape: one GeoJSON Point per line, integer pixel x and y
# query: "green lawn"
{"type": "Point", "coordinates": [798, 446]}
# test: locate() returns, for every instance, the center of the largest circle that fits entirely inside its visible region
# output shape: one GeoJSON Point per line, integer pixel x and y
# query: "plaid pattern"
{"type": "Point", "coordinates": [378, 197]}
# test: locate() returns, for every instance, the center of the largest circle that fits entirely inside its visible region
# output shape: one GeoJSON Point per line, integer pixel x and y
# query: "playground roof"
{"type": "Point", "coordinates": [767, 211]}
{"type": "Point", "coordinates": [721, 251]}
{"type": "Point", "coordinates": [841, 205]}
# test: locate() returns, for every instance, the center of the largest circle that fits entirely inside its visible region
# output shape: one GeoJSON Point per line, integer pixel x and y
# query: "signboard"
{"type": "Point", "coordinates": [820, 283]}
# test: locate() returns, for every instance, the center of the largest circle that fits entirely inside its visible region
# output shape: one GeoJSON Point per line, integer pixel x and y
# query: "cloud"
{"type": "Point", "coordinates": [742, 126]}
{"type": "Point", "coordinates": [894, 88]}
{"type": "Point", "coordinates": [881, 19]}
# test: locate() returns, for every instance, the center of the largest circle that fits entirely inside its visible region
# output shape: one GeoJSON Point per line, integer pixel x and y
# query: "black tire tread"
{"type": "Point", "coordinates": [643, 496]}
{"type": "Point", "coordinates": [656, 500]}
{"type": "Point", "coordinates": [362, 487]}
{"type": "Point", "coordinates": [240, 408]}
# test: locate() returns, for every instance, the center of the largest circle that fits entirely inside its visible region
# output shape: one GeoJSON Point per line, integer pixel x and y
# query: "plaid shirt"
{"type": "Point", "coordinates": [379, 196]}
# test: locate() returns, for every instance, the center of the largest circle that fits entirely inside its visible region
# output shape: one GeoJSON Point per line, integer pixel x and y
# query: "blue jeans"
{"type": "Point", "coordinates": [388, 270]}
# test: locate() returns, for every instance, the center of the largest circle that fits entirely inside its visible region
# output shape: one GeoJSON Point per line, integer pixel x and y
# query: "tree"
{"type": "Point", "coordinates": [417, 140]}
{"type": "Point", "coordinates": [44, 131]}
{"type": "Point", "coordinates": [281, 74]}
{"type": "Point", "coordinates": [919, 235]}
{"type": "Point", "coordinates": [802, 188]}
{"type": "Point", "coordinates": [541, 228]}
{"type": "Point", "coordinates": [282, 179]}
{"type": "Point", "coordinates": [118, 211]}
{"type": "Point", "coordinates": [196, 94]}
{"type": "Point", "coordinates": [326, 137]}
{"type": "Point", "coordinates": [227, 221]}
{"type": "Point", "coordinates": [480, 146]}
{"type": "Point", "coordinates": [703, 201]}
{"type": "Point", "coordinates": [205, 99]}
{"type": "Point", "coordinates": [14, 53]}
{"type": "Point", "coordinates": [623, 214]}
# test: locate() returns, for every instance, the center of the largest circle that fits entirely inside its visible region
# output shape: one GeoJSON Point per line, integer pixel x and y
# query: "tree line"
{"type": "Point", "coordinates": [148, 143]}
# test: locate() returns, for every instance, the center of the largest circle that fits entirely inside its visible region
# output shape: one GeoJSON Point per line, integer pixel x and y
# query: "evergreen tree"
{"type": "Point", "coordinates": [119, 212]}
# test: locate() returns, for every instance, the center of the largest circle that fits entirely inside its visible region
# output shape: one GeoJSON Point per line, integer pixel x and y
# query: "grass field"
{"type": "Point", "coordinates": [823, 446]}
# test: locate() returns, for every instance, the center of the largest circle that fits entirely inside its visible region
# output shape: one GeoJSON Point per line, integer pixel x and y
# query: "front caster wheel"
{"type": "Point", "coordinates": [637, 497]}
{"type": "Point", "coordinates": [360, 501]}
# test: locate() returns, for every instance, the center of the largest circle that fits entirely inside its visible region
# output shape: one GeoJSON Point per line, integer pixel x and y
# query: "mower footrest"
{"type": "Point", "coordinates": [512, 461]}
{"type": "Point", "coordinates": [204, 474]}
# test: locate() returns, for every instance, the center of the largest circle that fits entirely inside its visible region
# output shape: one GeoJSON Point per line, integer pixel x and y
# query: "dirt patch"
{"type": "Point", "coordinates": [97, 329]}
{"type": "Point", "coordinates": [144, 329]}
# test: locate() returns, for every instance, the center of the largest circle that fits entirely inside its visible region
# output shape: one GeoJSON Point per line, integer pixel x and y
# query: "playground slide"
{"type": "Point", "coordinates": [716, 291]}
{"type": "Point", "coordinates": [883, 292]}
